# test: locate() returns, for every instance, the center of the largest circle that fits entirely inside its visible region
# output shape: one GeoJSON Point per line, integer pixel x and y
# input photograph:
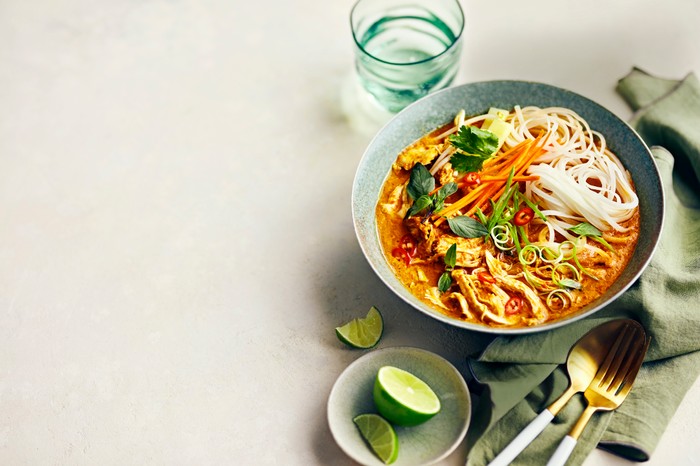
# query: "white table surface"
{"type": "Point", "coordinates": [176, 242]}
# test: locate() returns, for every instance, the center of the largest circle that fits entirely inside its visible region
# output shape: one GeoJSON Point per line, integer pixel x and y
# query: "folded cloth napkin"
{"type": "Point", "coordinates": [522, 375]}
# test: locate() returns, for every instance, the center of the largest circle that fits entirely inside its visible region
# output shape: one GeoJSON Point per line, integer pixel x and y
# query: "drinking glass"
{"type": "Point", "coordinates": [405, 50]}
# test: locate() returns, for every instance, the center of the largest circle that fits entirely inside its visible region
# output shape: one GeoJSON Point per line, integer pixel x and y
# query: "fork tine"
{"type": "Point", "coordinates": [603, 369]}
{"type": "Point", "coordinates": [619, 357]}
{"type": "Point", "coordinates": [634, 370]}
{"type": "Point", "coordinates": [636, 344]}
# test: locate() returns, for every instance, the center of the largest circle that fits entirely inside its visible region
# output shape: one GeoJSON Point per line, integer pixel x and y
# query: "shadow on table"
{"type": "Point", "coordinates": [348, 292]}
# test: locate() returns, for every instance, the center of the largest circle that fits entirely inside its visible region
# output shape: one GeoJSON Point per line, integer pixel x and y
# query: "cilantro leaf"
{"type": "Point", "coordinates": [475, 146]}
{"type": "Point", "coordinates": [475, 141]}
{"type": "Point", "coordinates": [465, 163]}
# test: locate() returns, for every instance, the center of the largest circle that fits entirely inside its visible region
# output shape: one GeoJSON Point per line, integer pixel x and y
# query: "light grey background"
{"type": "Point", "coordinates": [176, 243]}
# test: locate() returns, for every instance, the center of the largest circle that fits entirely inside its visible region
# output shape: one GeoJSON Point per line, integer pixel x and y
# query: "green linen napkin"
{"type": "Point", "coordinates": [522, 375]}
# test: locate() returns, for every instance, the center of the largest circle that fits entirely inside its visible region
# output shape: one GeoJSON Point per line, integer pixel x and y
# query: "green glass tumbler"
{"type": "Point", "coordinates": [405, 50]}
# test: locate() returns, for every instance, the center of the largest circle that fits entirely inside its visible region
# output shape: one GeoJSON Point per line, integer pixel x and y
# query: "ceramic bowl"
{"type": "Point", "coordinates": [476, 98]}
{"type": "Point", "coordinates": [424, 444]}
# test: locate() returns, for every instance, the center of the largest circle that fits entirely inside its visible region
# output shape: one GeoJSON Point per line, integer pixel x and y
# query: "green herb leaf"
{"type": "Point", "coordinates": [447, 190]}
{"type": "Point", "coordinates": [442, 194]}
{"type": "Point", "coordinates": [445, 282]}
{"type": "Point", "coordinates": [465, 163]}
{"type": "Point", "coordinates": [585, 229]}
{"type": "Point", "coordinates": [451, 256]}
{"type": "Point", "coordinates": [569, 283]}
{"type": "Point", "coordinates": [467, 227]}
{"type": "Point", "coordinates": [420, 204]}
{"type": "Point", "coordinates": [421, 182]}
{"type": "Point", "coordinates": [475, 141]}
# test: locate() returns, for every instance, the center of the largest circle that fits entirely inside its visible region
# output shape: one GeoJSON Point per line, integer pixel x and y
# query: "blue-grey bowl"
{"type": "Point", "coordinates": [475, 98]}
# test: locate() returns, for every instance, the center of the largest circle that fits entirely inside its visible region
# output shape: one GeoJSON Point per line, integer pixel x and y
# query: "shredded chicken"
{"type": "Point", "coordinates": [509, 282]}
{"type": "Point", "coordinates": [470, 288]}
{"type": "Point", "coordinates": [397, 203]}
{"type": "Point", "coordinates": [469, 250]}
{"type": "Point", "coordinates": [420, 153]}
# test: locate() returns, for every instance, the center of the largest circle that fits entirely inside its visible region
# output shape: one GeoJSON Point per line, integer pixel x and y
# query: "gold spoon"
{"type": "Point", "coordinates": [582, 364]}
{"type": "Point", "coordinates": [610, 386]}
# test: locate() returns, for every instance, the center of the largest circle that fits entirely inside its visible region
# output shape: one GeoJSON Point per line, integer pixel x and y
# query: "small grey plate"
{"type": "Point", "coordinates": [424, 444]}
{"type": "Point", "coordinates": [440, 108]}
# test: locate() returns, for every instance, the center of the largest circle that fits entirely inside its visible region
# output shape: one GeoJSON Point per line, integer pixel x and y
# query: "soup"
{"type": "Point", "coordinates": [511, 218]}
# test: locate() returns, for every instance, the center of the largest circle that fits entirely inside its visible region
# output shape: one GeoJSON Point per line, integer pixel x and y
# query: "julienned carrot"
{"type": "Point", "coordinates": [520, 158]}
{"type": "Point", "coordinates": [516, 179]}
{"type": "Point", "coordinates": [517, 172]}
{"type": "Point", "coordinates": [503, 170]}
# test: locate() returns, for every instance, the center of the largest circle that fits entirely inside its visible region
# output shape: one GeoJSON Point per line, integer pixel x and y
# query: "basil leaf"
{"type": "Point", "coordinates": [467, 227]}
{"type": "Point", "coordinates": [447, 190]}
{"type": "Point", "coordinates": [444, 192]}
{"type": "Point", "coordinates": [569, 283]}
{"type": "Point", "coordinates": [421, 182]}
{"type": "Point", "coordinates": [422, 203]}
{"type": "Point", "coordinates": [445, 282]}
{"type": "Point", "coordinates": [451, 256]}
{"type": "Point", "coordinates": [585, 229]}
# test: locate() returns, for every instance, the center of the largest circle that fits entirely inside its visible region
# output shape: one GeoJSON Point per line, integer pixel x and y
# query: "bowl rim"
{"type": "Point", "coordinates": [422, 307]}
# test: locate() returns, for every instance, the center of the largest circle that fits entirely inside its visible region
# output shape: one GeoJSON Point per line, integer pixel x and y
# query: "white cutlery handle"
{"type": "Point", "coordinates": [563, 452]}
{"type": "Point", "coordinates": [523, 439]}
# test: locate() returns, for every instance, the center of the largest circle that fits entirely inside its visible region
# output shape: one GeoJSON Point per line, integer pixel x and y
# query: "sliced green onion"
{"type": "Point", "coordinates": [574, 250]}
{"type": "Point", "coordinates": [563, 296]}
{"type": "Point", "coordinates": [554, 256]}
{"type": "Point", "coordinates": [529, 254]}
{"type": "Point", "coordinates": [558, 275]}
{"type": "Point", "coordinates": [501, 237]}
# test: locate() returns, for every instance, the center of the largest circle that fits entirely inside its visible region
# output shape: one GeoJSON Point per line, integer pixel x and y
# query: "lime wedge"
{"type": "Point", "coordinates": [362, 333]}
{"type": "Point", "coordinates": [379, 435]}
{"type": "Point", "coordinates": [402, 398]}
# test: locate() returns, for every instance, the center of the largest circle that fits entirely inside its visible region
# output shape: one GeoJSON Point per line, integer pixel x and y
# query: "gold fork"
{"type": "Point", "coordinates": [611, 385]}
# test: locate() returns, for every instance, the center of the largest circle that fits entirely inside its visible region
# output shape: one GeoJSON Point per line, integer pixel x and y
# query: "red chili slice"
{"type": "Point", "coordinates": [409, 245]}
{"type": "Point", "coordinates": [485, 277]}
{"type": "Point", "coordinates": [523, 216]}
{"type": "Point", "coordinates": [471, 179]}
{"type": "Point", "coordinates": [401, 253]}
{"type": "Point", "coordinates": [514, 305]}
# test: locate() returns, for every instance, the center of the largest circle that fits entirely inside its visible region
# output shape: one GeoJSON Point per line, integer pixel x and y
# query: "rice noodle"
{"type": "Point", "coordinates": [580, 180]}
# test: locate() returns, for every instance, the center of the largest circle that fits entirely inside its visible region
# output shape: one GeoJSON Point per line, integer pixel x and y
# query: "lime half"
{"type": "Point", "coordinates": [379, 435]}
{"type": "Point", "coordinates": [403, 398]}
{"type": "Point", "coordinates": [362, 333]}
